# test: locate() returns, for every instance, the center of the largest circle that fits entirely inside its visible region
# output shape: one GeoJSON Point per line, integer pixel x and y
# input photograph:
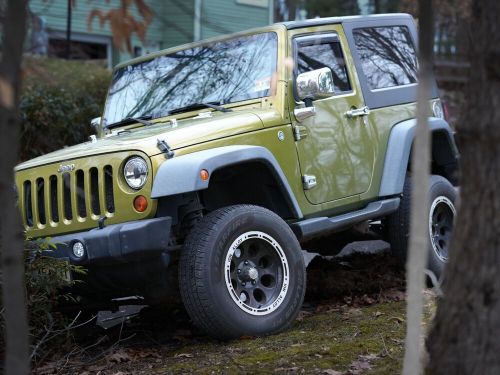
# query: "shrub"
{"type": "Point", "coordinates": [46, 279]}
{"type": "Point", "coordinates": [58, 100]}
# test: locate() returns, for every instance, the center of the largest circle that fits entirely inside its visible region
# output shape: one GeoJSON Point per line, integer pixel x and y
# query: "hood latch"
{"type": "Point", "coordinates": [165, 148]}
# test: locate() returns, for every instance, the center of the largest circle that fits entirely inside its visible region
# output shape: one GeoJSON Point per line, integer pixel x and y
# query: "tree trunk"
{"type": "Point", "coordinates": [11, 236]}
{"type": "Point", "coordinates": [292, 9]}
{"type": "Point", "coordinates": [466, 331]}
{"type": "Point", "coordinates": [419, 231]}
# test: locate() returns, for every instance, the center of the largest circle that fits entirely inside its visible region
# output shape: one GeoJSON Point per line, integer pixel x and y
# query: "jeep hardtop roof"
{"type": "Point", "coordinates": [373, 98]}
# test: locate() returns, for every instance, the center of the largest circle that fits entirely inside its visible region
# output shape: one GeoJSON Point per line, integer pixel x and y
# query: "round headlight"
{"type": "Point", "coordinates": [135, 172]}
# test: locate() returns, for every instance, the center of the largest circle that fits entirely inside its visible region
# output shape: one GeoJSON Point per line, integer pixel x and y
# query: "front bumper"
{"type": "Point", "coordinates": [118, 243]}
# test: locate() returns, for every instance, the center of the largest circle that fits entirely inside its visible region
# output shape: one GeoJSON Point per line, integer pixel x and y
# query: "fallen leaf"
{"type": "Point", "coordinates": [368, 357]}
{"type": "Point", "coordinates": [96, 368]}
{"type": "Point", "coordinates": [378, 313]}
{"type": "Point", "coordinates": [119, 356]}
{"type": "Point", "coordinates": [287, 369]}
{"type": "Point", "coordinates": [183, 355]}
{"type": "Point", "coordinates": [148, 353]}
{"type": "Point", "coordinates": [303, 314]}
{"type": "Point", "coordinates": [357, 367]}
{"type": "Point", "coordinates": [362, 364]}
{"type": "Point", "coordinates": [394, 295]}
{"type": "Point", "coordinates": [397, 319]}
{"type": "Point", "coordinates": [367, 300]}
{"type": "Point", "coordinates": [331, 372]}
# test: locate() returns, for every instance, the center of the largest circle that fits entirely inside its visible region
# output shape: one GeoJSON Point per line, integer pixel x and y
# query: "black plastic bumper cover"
{"type": "Point", "coordinates": [117, 243]}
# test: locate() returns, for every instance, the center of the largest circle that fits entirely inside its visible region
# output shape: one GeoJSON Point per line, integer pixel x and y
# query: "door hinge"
{"type": "Point", "coordinates": [299, 132]}
{"type": "Point", "coordinates": [302, 113]}
{"type": "Point", "coordinates": [308, 181]}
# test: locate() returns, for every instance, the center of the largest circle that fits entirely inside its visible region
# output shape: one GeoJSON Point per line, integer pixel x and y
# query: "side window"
{"type": "Point", "coordinates": [387, 56]}
{"type": "Point", "coordinates": [320, 52]}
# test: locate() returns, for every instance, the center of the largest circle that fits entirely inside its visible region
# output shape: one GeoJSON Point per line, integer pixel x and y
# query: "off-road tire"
{"type": "Point", "coordinates": [399, 223]}
{"type": "Point", "coordinates": [203, 271]}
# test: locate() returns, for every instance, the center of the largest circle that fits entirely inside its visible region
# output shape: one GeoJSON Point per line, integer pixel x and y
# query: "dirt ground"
{"type": "Point", "coordinates": [352, 322]}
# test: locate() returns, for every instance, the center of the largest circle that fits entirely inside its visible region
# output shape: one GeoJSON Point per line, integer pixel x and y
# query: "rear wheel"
{"type": "Point", "coordinates": [242, 273]}
{"type": "Point", "coordinates": [440, 219]}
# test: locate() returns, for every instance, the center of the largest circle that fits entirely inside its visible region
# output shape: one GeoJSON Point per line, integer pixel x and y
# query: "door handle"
{"type": "Point", "coordinates": [363, 111]}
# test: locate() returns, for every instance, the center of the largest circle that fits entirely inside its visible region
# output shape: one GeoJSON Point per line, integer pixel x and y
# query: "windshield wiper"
{"type": "Point", "coordinates": [131, 120]}
{"type": "Point", "coordinates": [198, 106]}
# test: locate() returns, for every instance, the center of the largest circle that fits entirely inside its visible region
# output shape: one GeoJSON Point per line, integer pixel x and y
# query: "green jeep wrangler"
{"type": "Point", "coordinates": [215, 160]}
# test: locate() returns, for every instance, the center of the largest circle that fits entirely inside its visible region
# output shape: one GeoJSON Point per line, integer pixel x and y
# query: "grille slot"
{"type": "Point", "coordinates": [54, 209]}
{"type": "Point", "coordinates": [40, 200]}
{"type": "Point", "coordinates": [94, 191]}
{"type": "Point", "coordinates": [108, 188]}
{"type": "Point", "coordinates": [68, 210]}
{"type": "Point", "coordinates": [80, 193]}
{"type": "Point", "coordinates": [28, 208]}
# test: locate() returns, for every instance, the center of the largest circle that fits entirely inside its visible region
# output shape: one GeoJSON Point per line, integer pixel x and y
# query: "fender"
{"type": "Point", "coordinates": [398, 152]}
{"type": "Point", "coordinates": [182, 174]}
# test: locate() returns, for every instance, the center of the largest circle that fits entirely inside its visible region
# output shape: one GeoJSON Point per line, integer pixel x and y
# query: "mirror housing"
{"type": "Point", "coordinates": [95, 122]}
{"type": "Point", "coordinates": [316, 84]}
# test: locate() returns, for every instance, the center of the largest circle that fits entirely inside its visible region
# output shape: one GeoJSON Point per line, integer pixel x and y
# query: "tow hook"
{"type": "Point", "coordinates": [100, 222]}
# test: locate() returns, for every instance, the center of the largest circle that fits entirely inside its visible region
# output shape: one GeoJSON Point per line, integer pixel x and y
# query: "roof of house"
{"type": "Point", "coordinates": [346, 19]}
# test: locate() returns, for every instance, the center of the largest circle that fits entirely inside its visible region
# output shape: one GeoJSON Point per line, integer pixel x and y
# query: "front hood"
{"type": "Point", "coordinates": [187, 132]}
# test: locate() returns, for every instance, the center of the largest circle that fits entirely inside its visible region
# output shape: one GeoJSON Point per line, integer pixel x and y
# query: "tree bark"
{"type": "Point", "coordinates": [292, 9]}
{"type": "Point", "coordinates": [465, 335]}
{"type": "Point", "coordinates": [11, 235]}
{"type": "Point", "coordinates": [419, 231]}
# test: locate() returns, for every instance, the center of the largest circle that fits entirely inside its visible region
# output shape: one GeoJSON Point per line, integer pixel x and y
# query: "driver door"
{"type": "Point", "coordinates": [336, 152]}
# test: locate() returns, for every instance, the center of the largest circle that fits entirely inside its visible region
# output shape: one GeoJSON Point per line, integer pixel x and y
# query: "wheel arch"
{"type": "Point", "coordinates": [242, 169]}
{"type": "Point", "coordinates": [444, 154]}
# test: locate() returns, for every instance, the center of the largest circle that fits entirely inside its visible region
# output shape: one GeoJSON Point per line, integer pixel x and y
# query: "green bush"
{"type": "Point", "coordinates": [46, 280]}
{"type": "Point", "coordinates": [58, 100]}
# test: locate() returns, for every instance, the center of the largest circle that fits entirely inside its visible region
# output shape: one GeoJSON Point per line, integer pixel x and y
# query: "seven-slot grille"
{"type": "Point", "coordinates": [63, 197]}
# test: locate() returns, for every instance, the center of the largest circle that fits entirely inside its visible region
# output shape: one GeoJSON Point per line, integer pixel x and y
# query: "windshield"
{"type": "Point", "coordinates": [222, 72]}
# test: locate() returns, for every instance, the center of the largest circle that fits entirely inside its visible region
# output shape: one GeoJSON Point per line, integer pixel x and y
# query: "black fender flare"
{"type": "Point", "coordinates": [181, 174]}
{"type": "Point", "coordinates": [398, 152]}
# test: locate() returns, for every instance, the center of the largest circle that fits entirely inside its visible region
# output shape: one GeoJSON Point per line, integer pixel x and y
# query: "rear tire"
{"type": "Point", "coordinates": [440, 220]}
{"type": "Point", "coordinates": [241, 272]}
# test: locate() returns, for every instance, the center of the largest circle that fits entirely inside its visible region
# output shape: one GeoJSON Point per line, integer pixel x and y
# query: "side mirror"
{"type": "Point", "coordinates": [315, 84]}
{"type": "Point", "coordinates": [95, 122]}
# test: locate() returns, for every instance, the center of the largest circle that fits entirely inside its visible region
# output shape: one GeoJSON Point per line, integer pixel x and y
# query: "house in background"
{"type": "Point", "coordinates": [173, 22]}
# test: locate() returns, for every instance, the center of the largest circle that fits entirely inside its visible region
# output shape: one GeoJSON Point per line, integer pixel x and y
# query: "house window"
{"type": "Point", "coordinates": [79, 50]}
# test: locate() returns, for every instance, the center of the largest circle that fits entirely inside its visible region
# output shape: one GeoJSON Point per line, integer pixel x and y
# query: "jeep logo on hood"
{"type": "Point", "coordinates": [66, 168]}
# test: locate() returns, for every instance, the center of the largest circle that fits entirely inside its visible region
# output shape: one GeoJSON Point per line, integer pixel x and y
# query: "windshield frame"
{"type": "Point", "coordinates": [276, 93]}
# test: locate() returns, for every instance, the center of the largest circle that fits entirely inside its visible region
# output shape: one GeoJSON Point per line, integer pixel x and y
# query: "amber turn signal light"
{"type": "Point", "coordinates": [140, 203]}
{"type": "Point", "coordinates": [204, 174]}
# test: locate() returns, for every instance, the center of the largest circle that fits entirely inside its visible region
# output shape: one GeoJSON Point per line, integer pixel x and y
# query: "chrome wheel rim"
{"type": "Point", "coordinates": [256, 273]}
{"type": "Point", "coordinates": [441, 220]}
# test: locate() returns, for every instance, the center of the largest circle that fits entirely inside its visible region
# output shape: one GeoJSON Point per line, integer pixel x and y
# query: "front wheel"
{"type": "Point", "coordinates": [241, 272]}
{"type": "Point", "coordinates": [441, 217]}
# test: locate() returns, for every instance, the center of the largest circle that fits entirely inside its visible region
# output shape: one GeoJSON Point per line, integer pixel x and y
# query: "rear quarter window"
{"type": "Point", "coordinates": [387, 56]}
